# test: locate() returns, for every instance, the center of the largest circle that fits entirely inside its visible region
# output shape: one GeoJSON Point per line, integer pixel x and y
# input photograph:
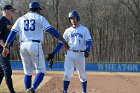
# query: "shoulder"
{"type": "Point", "coordinates": [83, 27]}
{"type": "Point", "coordinates": [39, 18]}
{"type": "Point", "coordinates": [3, 21]}
{"type": "Point", "coordinates": [20, 19]}
{"type": "Point", "coordinates": [69, 29]}
{"type": "Point", "coordinates": [42, 17]}
{"type": "Point", "coordinates": [37, 15]}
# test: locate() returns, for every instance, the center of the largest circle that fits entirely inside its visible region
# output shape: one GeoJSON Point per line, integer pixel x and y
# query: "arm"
{"type": "Point", "coordinates": [2, 43]}
{"type": "Point", "coordinates": [8, 42]}
{"type": "Point", "coordinates": [15, 29]}
{"type": "Point", "coordinates": [88, 47]}
{"type": "Point", "coordinates": [51, 55]}
{"type": "Point", "coordinates": [57, 48]}
{"type": "Point", "coordinates": [55, 33]}
{"type": "Point", "coordinates": [10, 38]}
{"type": "Point", "coordinates": [2, 29]}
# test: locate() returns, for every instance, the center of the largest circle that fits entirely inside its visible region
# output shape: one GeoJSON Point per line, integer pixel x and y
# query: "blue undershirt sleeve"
{"type": "Point", "coordinates": [11, 36]}
{"type": "Point", "coordinates": [88, 45]}
{"type": "Point", "coordinates": [57, 48]}
{"type": "Point", "coordinates": [53, 32]}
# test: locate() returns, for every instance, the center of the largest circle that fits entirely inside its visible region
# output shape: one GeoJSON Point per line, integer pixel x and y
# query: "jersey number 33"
{"type": "Point", "coordinates": [29, 25]}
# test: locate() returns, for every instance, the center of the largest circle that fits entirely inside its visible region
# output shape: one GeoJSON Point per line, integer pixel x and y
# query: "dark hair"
{"type": "Point", "coordinates": [34, 9]}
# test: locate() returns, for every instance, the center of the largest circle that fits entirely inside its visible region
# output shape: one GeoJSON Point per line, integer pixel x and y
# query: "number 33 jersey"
{"type": "Point", "coordinates": [31, 26]}
{"type": "Point", "coordinates": [77, 37]}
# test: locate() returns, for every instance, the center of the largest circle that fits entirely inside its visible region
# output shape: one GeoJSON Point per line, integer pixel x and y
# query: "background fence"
{"type": "Point", "coordinates": [99, 67]}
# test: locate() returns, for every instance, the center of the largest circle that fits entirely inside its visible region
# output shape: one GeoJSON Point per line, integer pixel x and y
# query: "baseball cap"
{"type": "Point", "coordinates": [8, 7]}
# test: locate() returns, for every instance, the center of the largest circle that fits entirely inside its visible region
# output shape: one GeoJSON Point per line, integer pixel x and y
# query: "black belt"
{"type": "Point", "coordinates": [77, 50]}
{"type": "Point", "coordinates": [38, 41]}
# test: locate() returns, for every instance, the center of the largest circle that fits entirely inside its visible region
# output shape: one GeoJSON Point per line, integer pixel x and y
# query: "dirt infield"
{"type": "Point", "coordinates": [97, 83]}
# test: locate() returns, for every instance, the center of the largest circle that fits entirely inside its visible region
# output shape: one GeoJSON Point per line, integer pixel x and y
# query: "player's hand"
{"type": "Point", "coordinates": [50, 57]}
{"type": "Point", "coordinates": [86, 53]}
{"type": "Point", "coordinates": [5, 52]}
{"type": "Point", "coordinates": [50, 64]}
{"type": "Point", "coordinates": [50, 60]}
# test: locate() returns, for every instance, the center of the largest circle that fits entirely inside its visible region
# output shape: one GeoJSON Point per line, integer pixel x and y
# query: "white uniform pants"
{"type": "Point", "coordinates": [75, 60]}
{"type": "Point", "coordinates": [32, 57]}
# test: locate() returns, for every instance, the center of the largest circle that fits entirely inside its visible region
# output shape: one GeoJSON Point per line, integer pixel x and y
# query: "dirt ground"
{"type": "Point", "coordinates": [98, 82]}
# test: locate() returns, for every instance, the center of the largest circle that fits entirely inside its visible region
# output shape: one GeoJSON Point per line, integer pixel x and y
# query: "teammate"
{"type": "Point", "coordinates": [30, 28]}
{"type": "Point", "coordinates": [5, 26]}
{"type": "Point", "coordinates": [80, 41]}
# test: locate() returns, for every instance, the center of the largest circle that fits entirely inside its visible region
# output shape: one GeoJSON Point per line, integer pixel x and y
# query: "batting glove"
{"type": "Point", "coordinates": [50, 57]}
{"type": "Point", "coordinates": [86, 53]}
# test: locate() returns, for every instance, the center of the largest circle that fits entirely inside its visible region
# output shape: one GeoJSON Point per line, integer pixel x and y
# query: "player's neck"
{"type": "Point", "coordinates": [75, 25]}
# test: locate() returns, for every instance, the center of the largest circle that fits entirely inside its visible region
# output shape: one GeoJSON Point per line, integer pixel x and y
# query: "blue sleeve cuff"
{"type": "Point", "coordinates": [88, 45]}
{"type": "Point", "coordinates": [57, 48]}
{"type": "Point", "coordinates": [11, 36]}
{"type": "Point", "coordinates": [52, 31]}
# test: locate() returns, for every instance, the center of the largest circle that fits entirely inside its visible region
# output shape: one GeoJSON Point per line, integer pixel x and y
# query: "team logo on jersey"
{"type": "Point", "coordinates": [76, 34]}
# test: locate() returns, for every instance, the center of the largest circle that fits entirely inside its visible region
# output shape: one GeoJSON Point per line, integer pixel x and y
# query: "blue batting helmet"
{"type": "Point", "coordinates": [74, 14]}
{"type": "Point", "coordinates": [34, 5]}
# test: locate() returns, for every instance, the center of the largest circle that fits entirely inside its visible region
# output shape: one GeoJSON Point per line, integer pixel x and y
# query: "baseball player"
{"type": "Point", "coordinates": [5, 26]}
{"type": "Point", "coordinates": [80, 41]}
{"type": "Point", "coordinates": [30, 28]}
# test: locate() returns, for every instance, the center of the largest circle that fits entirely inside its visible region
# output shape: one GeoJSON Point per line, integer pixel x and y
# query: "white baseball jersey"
{"type": "Point", "coordinates": [31, 26]}
{"type": "Point", "coordinates": [77, 37]}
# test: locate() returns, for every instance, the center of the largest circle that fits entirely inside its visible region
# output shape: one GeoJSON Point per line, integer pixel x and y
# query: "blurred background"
{"type": "Point", "coordinates": [114, 26]}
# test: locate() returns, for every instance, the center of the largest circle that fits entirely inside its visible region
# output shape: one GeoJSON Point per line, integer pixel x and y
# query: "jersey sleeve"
{"type": "Point", "coordinates": [65, 36]}
{"type": "Point", "coordinates": [88, 39]}
{"type": "Point", "coordinates": [87, 35]}
{"type": "Point", "coordinates": [16, 26]}
{"type": "Point", "coordinates": [45, 24]}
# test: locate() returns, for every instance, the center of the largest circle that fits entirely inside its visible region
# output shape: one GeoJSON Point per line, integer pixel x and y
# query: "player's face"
{"type": "Point", "coordinates": [73, 20]}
